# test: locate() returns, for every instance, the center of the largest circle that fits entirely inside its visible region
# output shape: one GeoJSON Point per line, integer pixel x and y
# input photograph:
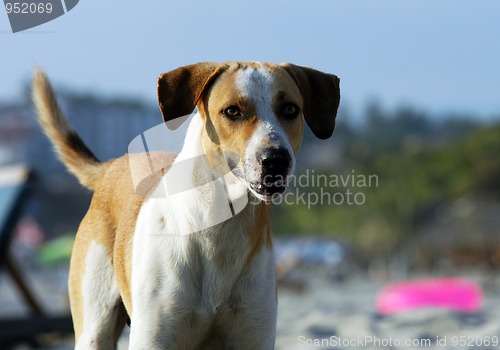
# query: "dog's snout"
{"type": "Point", "coordinates": [275, 161]}
{"type": "Point", "coordinates": [276, 164]}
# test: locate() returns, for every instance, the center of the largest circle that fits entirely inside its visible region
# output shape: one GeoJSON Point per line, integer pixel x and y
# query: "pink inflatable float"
{"type": "Point", "coordinates": [458, 294]}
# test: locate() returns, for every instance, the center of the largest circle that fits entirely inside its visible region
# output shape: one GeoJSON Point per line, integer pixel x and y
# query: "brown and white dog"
{"type": "Point", "coordinates": [134, 257]}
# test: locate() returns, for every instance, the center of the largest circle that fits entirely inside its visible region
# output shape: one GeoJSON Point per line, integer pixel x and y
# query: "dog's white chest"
{"type": "Point", "coordinates": [206, 264]}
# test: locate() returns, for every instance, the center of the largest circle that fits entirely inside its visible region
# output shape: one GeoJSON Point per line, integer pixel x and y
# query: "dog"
{"type": "Point", "coordinates": [186, 278]}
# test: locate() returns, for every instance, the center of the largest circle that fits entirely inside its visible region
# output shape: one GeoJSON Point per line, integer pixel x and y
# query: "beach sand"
{"type": "Point", "coordinates": [325, 315]}
{"type": "Point", "coordinates": [343, 316]}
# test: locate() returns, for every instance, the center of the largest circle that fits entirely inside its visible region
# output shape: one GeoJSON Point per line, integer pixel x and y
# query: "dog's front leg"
{"type": "Point", "coordinates": [253, 327]}
{"type": "Point", "coordinates": [164, 314]}
{"type": "Point", "coordinates": [165, 327]}
{"type": "Point", "coordinates": [164, 297]}
{"type": "Point", "coordinates": [250, 323]}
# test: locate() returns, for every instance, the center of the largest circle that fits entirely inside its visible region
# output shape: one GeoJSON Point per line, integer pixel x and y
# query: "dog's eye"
{"type": "Point", "coordinates": [232, 112]}
{"type": "Point", "coordinates": [290, 111]}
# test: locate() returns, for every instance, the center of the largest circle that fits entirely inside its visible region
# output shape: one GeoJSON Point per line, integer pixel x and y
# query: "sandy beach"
{"type": "Point", "coordinates": [343, 317]}
{"type": "Point", "coordinates": [325, 315]}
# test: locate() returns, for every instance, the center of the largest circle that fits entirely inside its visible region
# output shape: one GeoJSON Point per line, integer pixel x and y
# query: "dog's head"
{"type": "Point", "coordinates": [254, 112]}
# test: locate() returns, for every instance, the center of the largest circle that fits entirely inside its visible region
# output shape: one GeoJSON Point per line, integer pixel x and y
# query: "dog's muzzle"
{"type": "Point", "coordinates": [275, 167]}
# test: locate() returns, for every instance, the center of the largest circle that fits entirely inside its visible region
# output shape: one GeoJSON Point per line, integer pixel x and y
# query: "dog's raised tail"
{"type": "Point", "coordinates": [68, 145]}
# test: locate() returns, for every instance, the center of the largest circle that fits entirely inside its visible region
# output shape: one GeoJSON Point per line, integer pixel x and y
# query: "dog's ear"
{"type": "Point", "coordinates": [180, 89]}
{"type": "Point", "coordinates": [321, 94]}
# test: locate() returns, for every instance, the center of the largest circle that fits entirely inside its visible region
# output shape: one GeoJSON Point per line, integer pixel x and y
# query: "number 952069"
{"type": "Point", "coordinates": [28, 8]}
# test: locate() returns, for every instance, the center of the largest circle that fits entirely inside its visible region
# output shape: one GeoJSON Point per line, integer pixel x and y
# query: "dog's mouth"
{"type": "Point", "coordinates": [262, 186]}
{"type": "Point", "coordinates": [268, 188]}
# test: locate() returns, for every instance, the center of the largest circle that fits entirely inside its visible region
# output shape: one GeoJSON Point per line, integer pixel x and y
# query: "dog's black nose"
{"type": "Point", "coordinates": [275, 164]}
{"type": "Point", "coordinates": [275, 161]}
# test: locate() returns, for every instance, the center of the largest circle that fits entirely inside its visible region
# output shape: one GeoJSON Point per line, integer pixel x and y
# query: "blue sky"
{"type": "Point", "coordinates": [435, 55]}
